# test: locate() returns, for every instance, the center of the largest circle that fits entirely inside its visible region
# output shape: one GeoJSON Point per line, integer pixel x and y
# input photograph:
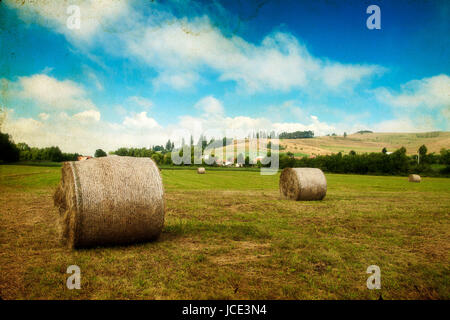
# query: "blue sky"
{"type": "Point", "coordinates": [137, 73]}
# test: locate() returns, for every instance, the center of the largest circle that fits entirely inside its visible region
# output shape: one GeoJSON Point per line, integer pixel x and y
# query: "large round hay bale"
{"type": "Point", "coordinates": [303, 184]}
{"type": "Point", "coordinates": [110, 200]}
{"type": "Point", "coordinates": [414, 178]}
{"type": "Point", "coordinates": [201, 170]}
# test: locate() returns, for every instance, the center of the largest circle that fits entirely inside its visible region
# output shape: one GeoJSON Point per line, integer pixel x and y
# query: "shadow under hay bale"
{"type": "Point", "coordinates": [303, 184]}
{"type": "Point", "coordinates": [414, 178]}
{"type": "Point", "coordinates": [110, 200]}
{"type": "Point", "coordinates": [201, 170]}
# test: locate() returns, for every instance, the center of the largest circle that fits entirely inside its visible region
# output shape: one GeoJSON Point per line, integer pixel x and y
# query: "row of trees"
{"type": "Point", "coordinates": [396, 163]}
{"type": "Point", "coordinates": [53, 154]}
{"type": "Point", "coordinates": [160, 157]}
{"type": "Point", "coordinates": [10, 152]}
{"type": "Point", "coordinates": [296, 135]}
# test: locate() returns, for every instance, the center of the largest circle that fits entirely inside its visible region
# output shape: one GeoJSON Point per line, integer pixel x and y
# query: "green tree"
{"type": "Point", "coordinates": [23, 146]}
{"type": "Point", "coordinates": [8, 150]}
{"type": "Point", "coordinates": [384, 151]}
{"type": "Point", "coordinates": [169, 145]}
{"type": "Point", "coordinates": [423, 150]}
{"type": "Point", "coordinates": [99, 153]}
{"type": "Point", "coordinates": [400, 163]}
{"type": "Point", "coordinates": [167, 158]}
{"type": "Point", "coordinates": [53, 154]}
{"type": "Point", "coordinates": [157, 157]}
{"type": "Point", "coordinates": [445, 156]}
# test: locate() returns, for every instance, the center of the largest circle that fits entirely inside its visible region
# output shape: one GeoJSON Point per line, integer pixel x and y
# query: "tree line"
{"type": "Point", "coordinates": [296, 135]}
{"type": "Point", "coordinates": [396, 163]}
{"type": "Point", "coordinates": [11, 152]}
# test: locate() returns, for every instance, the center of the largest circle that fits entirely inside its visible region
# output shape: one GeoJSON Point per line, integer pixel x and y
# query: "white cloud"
{"type": "Point", "coordinates": [428, 92]}
{"type": "Point", "coordinates": [279, 62]}
{"type": "Point", "coordinates": [47, 70]}
{"type": "Point", "coordinates": [77, 134]}
{"type": "Point", "coordinates": [43, 116]}
{"type": "Point", "coordinates": [23, 128]}
{"type": "Point", "coordinates": [140, 121]}
{"type": "Point", "coordinates": [176, 80]}
{"type": "Point", "coordinates": [95, 15]}
{"type": "Point", "coordinates": [426, 100]}
{"type": "Point", "coordinates": [180, 49]}
{"type": "Point", "coordinates": [446, 114]}
{"type": "Point", "coordinates": [74, 135]}
{"type": "Point", "coordinates": [88, 116]}
{"type": "Point", "coordinates": [51, 93]}
{"type": "Point", "coordinates": [404, 124]}
{"type": "Point", "coordinates": [120, 110]}
{"type": "Point", "coordinates": [141, 101]}
{"type": "Point", "coordinates": [210, 106]}
{"type": "Point", "coordinates": [213, 120]}
{"type": "Point", "coordinates": [335, 75]}
{"type": "Point", "coordinates": [93, 77]}
{"type": "Point", "coordinates": [289, 109]}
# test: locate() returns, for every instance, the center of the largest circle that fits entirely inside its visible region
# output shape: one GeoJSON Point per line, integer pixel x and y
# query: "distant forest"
{"type": "Point", "coordinates": [296, 135]}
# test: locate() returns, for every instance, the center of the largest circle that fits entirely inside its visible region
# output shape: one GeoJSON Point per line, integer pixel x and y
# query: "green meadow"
{"type": "Point", "coordinates": [229, 235]}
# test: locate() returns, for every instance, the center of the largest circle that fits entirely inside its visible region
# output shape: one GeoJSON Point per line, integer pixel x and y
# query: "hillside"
{"type": "Point", "coordinates": [368, 142]}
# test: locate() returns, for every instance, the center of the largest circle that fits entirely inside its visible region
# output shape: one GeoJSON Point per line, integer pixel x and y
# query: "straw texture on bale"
{"type": "Point", "coordinates": [303, 184]}
{"type": "Point", "coordinates": [110, 200]}
{"type": "Point", "coordinates": [414, 178]}
{"type": "Point", "coordinates": [201, 170]}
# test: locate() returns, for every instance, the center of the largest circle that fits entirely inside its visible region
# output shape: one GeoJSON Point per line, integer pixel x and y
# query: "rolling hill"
{"type": "Point", "coordinates": [368, 142]}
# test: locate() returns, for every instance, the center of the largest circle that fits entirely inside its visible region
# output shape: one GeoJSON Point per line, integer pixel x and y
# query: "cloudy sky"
{"type": "Point", "coordinates": [137, 73]}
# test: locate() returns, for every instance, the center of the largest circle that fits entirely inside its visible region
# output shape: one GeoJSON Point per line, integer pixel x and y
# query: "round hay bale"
{"type": "Point", "coordinates": [414, 178]}
{"type": "Point", "coordinates": [201, 170]}
{"type": "Point", "coordinates": [110, 200]}
{"type": "Point", "coordinates": [303, 184]}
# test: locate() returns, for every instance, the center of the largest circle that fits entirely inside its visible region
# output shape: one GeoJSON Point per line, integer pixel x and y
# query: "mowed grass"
{"type": "Point", "coordinates": [228, 235]}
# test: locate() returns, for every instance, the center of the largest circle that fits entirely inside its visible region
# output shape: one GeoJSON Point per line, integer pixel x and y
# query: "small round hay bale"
{"type": "Point", "coordinates": [110, 200]}
{"type": "Point", "coordinates": [201, 170]}
{"type": "Point", "coordinates": [414, 178]}
{"type": "Point", "coordinates": [303, 184]}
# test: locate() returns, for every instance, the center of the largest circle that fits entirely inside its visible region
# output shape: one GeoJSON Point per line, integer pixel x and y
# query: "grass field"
{"type": "Point", "coordinates": [228, 235]}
